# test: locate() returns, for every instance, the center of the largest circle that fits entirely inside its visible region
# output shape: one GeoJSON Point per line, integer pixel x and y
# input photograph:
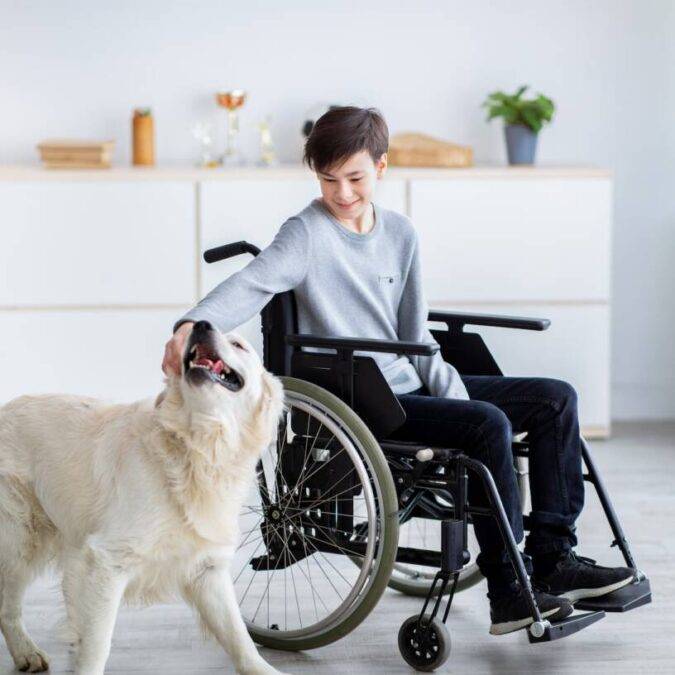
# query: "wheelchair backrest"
{"type": "Point", "coordinates": [371, 397]}
{"type": "Point", "coordinates": [279, 319]}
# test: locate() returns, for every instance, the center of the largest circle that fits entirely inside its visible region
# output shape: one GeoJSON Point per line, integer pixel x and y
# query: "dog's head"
{"type": "Point", "coordinates": [223, 379]}
{"type": "Point", "coordinates": [210, 358]}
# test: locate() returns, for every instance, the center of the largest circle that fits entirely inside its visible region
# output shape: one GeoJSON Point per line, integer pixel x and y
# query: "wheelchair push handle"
{"type": "Point", "coordinates": [229, 251]}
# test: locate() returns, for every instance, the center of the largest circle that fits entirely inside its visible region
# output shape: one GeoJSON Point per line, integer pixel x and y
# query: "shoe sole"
{"type": "Point", "coordinates": [583, 593]}
{"type": "Point", "coordinates": [511, 626]}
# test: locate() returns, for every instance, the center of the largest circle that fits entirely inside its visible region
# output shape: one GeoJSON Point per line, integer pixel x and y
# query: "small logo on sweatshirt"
{"type": "Point", "coordinates": [386, 278]}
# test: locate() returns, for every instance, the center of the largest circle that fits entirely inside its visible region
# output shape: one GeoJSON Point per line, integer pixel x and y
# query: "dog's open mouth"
{"type": "Point", "coordinates": [202, 362]}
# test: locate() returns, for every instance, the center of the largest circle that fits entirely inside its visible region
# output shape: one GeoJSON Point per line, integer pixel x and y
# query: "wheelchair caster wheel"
{"type": "Point", "coordinates": [424, 645]}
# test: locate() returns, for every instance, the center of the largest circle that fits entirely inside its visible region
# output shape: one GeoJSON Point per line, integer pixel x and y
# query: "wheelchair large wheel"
{"type": "Point", "coordinates": [324, 499]}
{"type": "Point", "coordinates": [425, 533]}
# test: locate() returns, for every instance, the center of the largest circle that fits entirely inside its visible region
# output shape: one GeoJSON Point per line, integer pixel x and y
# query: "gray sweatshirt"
{"type": "Point", "coordinates": [346, 285]}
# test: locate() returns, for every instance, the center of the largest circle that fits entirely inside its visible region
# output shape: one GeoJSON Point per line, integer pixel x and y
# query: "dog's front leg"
{"type": "Point", "coordinates": [100, 593]}
{"type": "Point", "coordinates": [212, 592]}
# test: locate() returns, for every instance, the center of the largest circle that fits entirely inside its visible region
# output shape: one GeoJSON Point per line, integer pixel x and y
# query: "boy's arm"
{"type": "Point", "coordinates": [278, 268]}
{"type": "Point", "coordinates": [440, 378]}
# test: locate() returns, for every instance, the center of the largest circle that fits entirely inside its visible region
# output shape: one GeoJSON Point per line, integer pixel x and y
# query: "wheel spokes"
{"type": "Point", "coordinates": [302, 534]}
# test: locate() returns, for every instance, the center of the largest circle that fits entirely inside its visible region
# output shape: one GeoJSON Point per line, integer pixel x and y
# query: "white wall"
{"type": "Point", "coordinates": [78, 68]}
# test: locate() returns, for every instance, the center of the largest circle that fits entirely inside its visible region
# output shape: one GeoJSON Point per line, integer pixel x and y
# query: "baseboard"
{"type": "Point", "coordinates": [596, 432]}
{"type": "Point", "coordinates": [632, 401]}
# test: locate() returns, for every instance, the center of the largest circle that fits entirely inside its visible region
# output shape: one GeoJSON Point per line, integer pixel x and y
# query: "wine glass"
{"type": "Point", "coordinates": [202, 132]}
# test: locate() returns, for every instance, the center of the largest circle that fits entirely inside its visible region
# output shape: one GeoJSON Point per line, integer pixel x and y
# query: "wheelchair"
{"type": "Point", "coordinates": [338, 512]}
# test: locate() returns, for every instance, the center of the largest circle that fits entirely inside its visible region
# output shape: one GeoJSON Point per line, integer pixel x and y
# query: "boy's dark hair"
{"type": "Point", "coordinates": [342, 132]}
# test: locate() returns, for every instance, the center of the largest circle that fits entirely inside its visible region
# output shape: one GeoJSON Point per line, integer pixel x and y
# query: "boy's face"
{"type": "Point", "coordinates": [347, 189]}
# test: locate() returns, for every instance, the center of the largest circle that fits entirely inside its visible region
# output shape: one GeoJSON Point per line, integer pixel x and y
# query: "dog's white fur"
{"type": "Point", "coordinates": [135, 502]}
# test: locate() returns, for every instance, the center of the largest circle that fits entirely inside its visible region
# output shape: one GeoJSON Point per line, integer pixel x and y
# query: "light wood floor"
{"type": "Point", "coordinates": [638, 465]}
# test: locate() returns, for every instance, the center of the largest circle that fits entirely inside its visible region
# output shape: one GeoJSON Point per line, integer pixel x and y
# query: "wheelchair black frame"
{"type": "Point", "coordinates": [283, 355]}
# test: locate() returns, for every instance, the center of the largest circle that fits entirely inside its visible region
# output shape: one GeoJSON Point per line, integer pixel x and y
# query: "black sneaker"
{"type": "Point", "coordinates": [575, 578]}
{"type": "Point", "coordinates": [512, 612]}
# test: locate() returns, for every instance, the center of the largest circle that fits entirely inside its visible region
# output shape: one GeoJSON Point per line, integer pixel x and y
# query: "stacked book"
{"type": "Point", "coordinates": [65, 154]}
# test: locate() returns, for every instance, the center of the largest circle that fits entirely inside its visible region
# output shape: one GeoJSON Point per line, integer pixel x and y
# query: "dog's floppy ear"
{"type": "Point", "coordinates": [271, 403]}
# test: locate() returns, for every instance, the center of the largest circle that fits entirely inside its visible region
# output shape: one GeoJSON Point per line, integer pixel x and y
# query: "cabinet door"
{"type": "Point", "coordinates": [390, 193]}
{"type": "Point", "coordinates": [97, 243]}
{"type": "Point", "coordinates": [251, 210]}
{"type": "Point", "coordinates": [575, 348]}
{"type": "Point", "coordinates": [115, 355]}
{"type": "Point", "coordinates": [514, 239]}
{"type": "Point", "coordinates": [254, 210]}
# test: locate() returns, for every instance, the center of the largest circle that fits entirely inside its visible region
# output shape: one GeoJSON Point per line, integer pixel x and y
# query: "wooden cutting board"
{"type": "Point", "coordinates": [412, 149]}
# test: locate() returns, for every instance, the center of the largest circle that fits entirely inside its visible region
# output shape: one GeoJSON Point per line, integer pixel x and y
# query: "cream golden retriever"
{"type": "Point", "coordinates": [136, 502]}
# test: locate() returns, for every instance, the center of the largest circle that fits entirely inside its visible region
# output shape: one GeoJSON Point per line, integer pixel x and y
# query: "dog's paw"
{"type": "Point", "coordinates": [33, 662]}
{"type": "Point", "coordinates": [260, 668]}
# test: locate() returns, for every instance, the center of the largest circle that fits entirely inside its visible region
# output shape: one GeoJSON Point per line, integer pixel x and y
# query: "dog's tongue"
{"type": "Point", "coordinates": [216, 367]}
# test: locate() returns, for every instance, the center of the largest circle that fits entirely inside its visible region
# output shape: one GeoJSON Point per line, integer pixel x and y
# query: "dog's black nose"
{"type": "Point", "coordinates": [202, 327]}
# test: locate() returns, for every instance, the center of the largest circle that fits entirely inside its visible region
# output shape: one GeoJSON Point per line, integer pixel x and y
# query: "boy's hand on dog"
{"type": "Point", "coordinates": [173, 351]}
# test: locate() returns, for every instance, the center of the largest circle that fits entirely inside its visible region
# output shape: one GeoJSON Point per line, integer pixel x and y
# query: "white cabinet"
{"type": "Point", "coordinates": [250, 210]}
{"type": "Point", "coordinates": [391, 193]}
{"type": "Point", "coordinates": [575, 348]}
{"type": "Point", "coordinates": [95, 267]}
{"type": "Point", "coordinates": [97, 243]}
{"type": "Point", "coordinates": [510, 240]}
{"type": "Point", "coordinates": [527, 246]}
{"type": "Point", "coordinates": [114, 355]}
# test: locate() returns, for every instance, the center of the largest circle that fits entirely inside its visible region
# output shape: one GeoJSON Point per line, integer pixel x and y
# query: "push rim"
{"type": "Point", "coordinates": [321, 595]}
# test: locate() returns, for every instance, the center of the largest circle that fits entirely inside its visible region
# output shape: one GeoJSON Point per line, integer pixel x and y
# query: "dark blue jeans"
{"type": "Point", "coordinates": [483, 428]}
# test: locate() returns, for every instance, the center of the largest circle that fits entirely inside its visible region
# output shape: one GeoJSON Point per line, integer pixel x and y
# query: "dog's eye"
{"type": "Point", "coordinates": [238, 345]}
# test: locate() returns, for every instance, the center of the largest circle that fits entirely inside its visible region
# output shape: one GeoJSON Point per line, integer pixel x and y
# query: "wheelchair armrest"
{"type": "Point", "coordinates": [457, 320]}
{"type": "Point", "coordinates": [363, 344]}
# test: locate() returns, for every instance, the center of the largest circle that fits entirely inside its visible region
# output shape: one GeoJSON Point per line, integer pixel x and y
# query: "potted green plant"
{"type": "Point", "coordinates": [523, 119]}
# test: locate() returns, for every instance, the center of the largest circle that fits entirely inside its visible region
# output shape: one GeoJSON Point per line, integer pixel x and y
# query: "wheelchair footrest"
{"type": "Point", "coordinates": [626, 598]}
{"type": "Point", "coordinates": [572, 624]}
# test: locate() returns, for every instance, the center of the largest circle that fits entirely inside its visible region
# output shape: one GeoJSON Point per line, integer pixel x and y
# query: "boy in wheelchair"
{"type": "Point", "coordinates": [355, 270]}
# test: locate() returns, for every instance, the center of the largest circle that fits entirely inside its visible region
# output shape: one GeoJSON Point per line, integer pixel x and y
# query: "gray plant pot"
{"type": "Point", "coordinates": [521, 143]}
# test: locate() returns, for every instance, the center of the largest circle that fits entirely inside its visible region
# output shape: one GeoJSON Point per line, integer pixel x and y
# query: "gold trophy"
{"type": "Point", "coordinates": [231, 101]}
